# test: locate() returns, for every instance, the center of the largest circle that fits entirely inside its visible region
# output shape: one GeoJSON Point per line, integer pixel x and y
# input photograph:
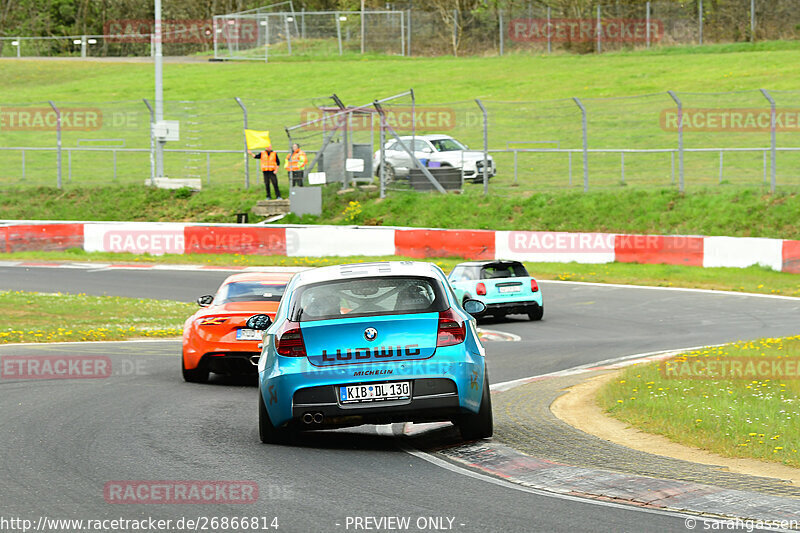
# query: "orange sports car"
{"type": "Point", "coordinates": [215, 338]}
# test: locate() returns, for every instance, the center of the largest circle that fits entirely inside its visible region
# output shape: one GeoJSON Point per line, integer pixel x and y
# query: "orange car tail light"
{"type": "Point", "coordinates": [212, 320]}
{"type": "Point", "coordinates": [534, 286]}
{"type": "Point", "coordinates": [480, 289]}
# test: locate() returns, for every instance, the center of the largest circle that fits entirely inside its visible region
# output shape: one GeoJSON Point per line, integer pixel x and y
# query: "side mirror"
{"type": "Point", "coordinates": [205, 300]}
{"type": "Point", "coordinates": [474, 307]}
{"type": "Point", "coordinates": [259, 322]}
{"type": "Point", "coordinates": [427, 150]}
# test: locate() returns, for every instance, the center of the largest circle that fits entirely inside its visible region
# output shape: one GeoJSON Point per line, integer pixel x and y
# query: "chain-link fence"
{"type": "Point", "coordinates": [657, 140]}
{"type": "Point", "coordinates": [498, 28]}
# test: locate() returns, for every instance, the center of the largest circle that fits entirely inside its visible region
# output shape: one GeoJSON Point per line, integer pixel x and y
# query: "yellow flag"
{"type": "Point", "coordinates": [257, 140]}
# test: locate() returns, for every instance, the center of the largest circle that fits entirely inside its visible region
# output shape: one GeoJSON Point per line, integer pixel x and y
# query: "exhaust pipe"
{"type": "Point", "coordinates": [254, 359]}
{"type": "Point", "coordinates": [308, 418]}
{"type": "Point", "coordinates": [318, 418]}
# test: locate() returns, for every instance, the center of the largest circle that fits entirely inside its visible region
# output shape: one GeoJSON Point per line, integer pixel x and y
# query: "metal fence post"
{"type": "Point", "coordinates": [700, 20]}
{"type": "Point", "coordinates": [680, 138]}
{"type": "Point", "coordinates": [289, 37]}
{"type": "Point", "coordinates": [599, 31]}
{"type": "Point", "coordinates": [382, 167]}
{"type": "Point", "coordinates": [585, 145]}
{"type": "Point", "coordinates": [408, 46]}
{"type": "Point", "coordinates": [485, 147]}
{"type": "Point", "coordinates": [752, 20]}
{"type": "Point", "coordinates": [402, 34]}
{"type": "Point", "coordinates": [549, 33]}
{"type": "Point", "coordinates": [772, 123]}
{"type": "Point", "coordinates": [58, 140]}
{"type": "Point", "coordinates": [363, 28]}
{"type": "Point", "coordinates": [19, 47]}
{"type": "Point", "coordinates": [339, 32]}
{"type": "Point", "coordinates": [83, 46]}
{"type": "Point", "coordinates": [152, 144]}
{"type": "Point", "coordinates": [647, 22]}
{"type": "Point", "coordinates": [500, 27]}
{"type": "Point", "coordinates": [266, 40]}
{"type": "Point", "coordinates": [246, 158]}
{"type": "Point", "coordinates": [516, 152]}
{"type": "Point", "coordinates": [455, 32]}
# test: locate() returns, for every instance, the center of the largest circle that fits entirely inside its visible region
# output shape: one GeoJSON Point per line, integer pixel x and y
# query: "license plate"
{"type": "Point", "coordinates": [515, 288]}
{"type": "Point", "coordinates": [249, 334]}
{"type": "Point", "coordinates": [372, 392]}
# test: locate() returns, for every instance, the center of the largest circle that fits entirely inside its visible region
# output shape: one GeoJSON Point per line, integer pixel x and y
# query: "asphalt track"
{"type": "Point", "coordinates": [63, 440]}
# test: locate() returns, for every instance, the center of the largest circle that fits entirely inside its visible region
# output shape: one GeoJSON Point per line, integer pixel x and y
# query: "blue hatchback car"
{"type": "Point", "coordinates": [505, 287]}
{"type": "Point", "coordinates": [372, 343]}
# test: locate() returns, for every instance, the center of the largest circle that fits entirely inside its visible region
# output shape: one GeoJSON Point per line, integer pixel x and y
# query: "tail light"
{"type": "Point", "coordinates": [211, 320]}
{"type": "Point", "coordinates": [480, 289]}
{"type": "Point", "coordinates": [451, 329]}
{"type": "Point", "coordinates": [534, 286]}
{"type": "Point", "coordinates": [289, 340]}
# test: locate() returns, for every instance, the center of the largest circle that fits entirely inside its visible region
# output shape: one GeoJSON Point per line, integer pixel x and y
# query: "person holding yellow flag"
{"type": "Point", "coordinates": [295, 164]}
{"type": "Point", "coordinates": [269, 166]}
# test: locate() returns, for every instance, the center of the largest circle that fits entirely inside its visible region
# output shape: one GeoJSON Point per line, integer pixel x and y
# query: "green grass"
{"type": "Point", "coordinates": [752, 416]}
{"type": "Point", "coordinates": [200, 95]}
{"type": "Point", "coordinates": [39, 317]}
{"type": "Point", "coordinates": [440, 79]}
{"type": "Point", "coordinates": [753, 279]}
{"type": "Point", "coordinates": [732, 211]}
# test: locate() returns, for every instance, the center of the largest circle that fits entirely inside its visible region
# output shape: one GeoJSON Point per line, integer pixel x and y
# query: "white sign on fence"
{"type": "Point", "coordinates": [316, 178]}
{"type": "Point", "coordinates": [354, 165]}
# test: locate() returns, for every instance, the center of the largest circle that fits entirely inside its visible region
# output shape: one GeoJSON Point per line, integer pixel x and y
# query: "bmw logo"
{"type": "Point", "coordinates": [370, 334]}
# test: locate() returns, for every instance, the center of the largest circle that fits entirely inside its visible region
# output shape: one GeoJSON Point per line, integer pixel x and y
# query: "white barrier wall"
{"type": "Point", "coordinates": [321, 241]}
{"type": "Point", "coordinates": [742, 252]}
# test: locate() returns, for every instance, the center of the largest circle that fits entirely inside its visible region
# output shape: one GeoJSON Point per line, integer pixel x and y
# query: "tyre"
{"type": "Point", "coordinates": [194, 375]}
{"type": "Point", "coordinates": [389, 173]}
{"type": "Point", "coordinates": [537, 314]}
{"type": "Point", "coordinates": [480, 425]}
{"type": "Point", "coordinates": [268, 433]}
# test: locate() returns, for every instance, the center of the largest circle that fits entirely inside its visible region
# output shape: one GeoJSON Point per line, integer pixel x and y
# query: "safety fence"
{"type": "Point", "coordinates": [670, 139]}
{"type": "Point", "coordinates": [338, 241]}
{"type": "Point", "coordinates": [431, 29]}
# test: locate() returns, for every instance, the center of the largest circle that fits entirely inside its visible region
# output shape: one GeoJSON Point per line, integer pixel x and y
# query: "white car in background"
{"type": "Point", "coordinates": [438, 150]}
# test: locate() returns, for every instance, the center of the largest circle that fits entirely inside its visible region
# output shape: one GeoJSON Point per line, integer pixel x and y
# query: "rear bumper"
{"type": "Point", "coordinates": [442, 387]}
{"type": "Point", "coordinates": [512, 308]}
{"type": "Point", "coordinates": [431, 400]}
{"type": "Point", "coordinates": [231, 363]}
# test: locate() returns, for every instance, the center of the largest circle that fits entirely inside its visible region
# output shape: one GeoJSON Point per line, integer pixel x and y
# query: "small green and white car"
{"type": "Point", "coordinates": [504, 286]}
